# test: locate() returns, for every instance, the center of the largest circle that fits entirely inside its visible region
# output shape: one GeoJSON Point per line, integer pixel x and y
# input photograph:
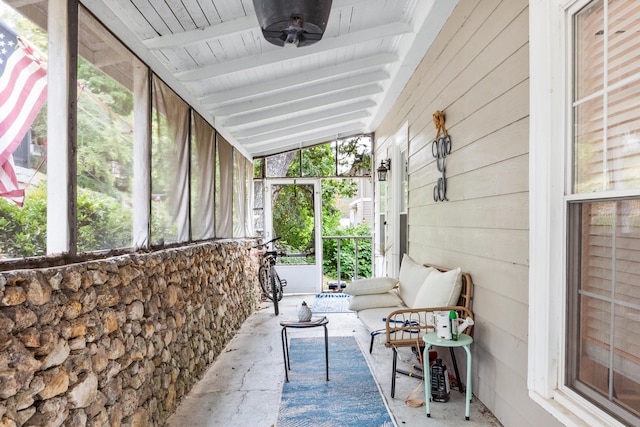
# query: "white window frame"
{"type": "Point", "coordinates": [549, 176]}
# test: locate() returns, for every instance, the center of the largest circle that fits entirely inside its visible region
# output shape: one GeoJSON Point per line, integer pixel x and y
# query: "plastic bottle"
{"type": "Point", "coordinates": [439, 382]}
{"type": "Point", "coordinates": [453, 325]}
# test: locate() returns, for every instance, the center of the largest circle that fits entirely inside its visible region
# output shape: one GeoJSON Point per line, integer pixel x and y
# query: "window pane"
{"type": "Point", "coordinates": [588, 148]}
{"type": "Point", "coordinates": [23, 178]}
{"type": "Point", "coordinates": [258, 207]}
{"type": "Point", "coordinates": [318, 161]}
{"type": "Point", "coordinates": [589, 48]}
{"type": "Point", "coordinates": [623, 133]}
{"type": "Point", "coordinates": [354, 156]}
{"type": "Point", "coordinates": [105, 138]}
{"type": "Point", "coordinates": [608, 290]}
{"type": "Point", "coordinates": [283, 165]}
{"type": "Point", "coordinates": [624, 43]}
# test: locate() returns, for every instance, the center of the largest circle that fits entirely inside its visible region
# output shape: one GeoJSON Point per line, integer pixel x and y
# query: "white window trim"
{"type": "Point", "coordinates": [549, 144]}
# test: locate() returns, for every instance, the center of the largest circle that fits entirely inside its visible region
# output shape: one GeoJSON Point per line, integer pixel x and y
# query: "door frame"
{"type": "Point", "coordinates": [296, 273]}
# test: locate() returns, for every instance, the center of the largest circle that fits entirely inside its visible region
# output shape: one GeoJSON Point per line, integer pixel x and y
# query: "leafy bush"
{"type": "Point", "coordinates": [347, 253]}
{"type": "Point", "coordinates": [103, 223]}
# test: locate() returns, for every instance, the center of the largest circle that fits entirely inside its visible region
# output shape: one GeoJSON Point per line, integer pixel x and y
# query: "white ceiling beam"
{"type": "Point", "coordinates": [321, 102]}
{"type": "Point", "coordinates": [294, 54]}
{"type": "Point", "coordinates": [300, 79]}
{"type": "Point", "coordinates": [306, 92]}
{"type": "Point", "coordinates": [319, 135]}
{"type": "Point", "coordinates": [303, 128]}
{"type": "Point", "coordinates": [304, 118]}
{"type": "Point", "coordinates": [21, 3]}
{"type": "Point", "coordinates": [224, 29]}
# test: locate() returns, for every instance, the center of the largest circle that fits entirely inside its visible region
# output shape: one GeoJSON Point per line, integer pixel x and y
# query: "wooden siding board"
{"type": "Point", "coordinates": [509, 211]}
{"type": "Point", "coordinates": [502, 245]}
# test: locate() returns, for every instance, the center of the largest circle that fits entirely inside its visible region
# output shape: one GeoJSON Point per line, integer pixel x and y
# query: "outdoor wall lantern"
{"type": "Point", "coordinates": [385, 166]}
{"type": "Point", "coordinates": [297, 22]}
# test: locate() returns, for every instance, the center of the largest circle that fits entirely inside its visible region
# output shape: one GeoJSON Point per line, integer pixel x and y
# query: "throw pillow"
{"type": "Point", "coordinates": [373, 285]}
{"type": "Point", "coordinates": [412, 276]}
{"type": "Point", "coordinates": [362, 302]}
{"type": "Point", "coordinates": [439, 289]}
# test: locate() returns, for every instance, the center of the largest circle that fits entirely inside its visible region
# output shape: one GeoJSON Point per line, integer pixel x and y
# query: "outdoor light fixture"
{"type": "Point", "coordinates": [297, 22]}
{"type": "Point", "coordinates": [385, 166]}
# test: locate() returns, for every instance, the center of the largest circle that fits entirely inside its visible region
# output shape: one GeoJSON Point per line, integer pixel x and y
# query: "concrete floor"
{"type": "Point", "coordinates": [243, 386]}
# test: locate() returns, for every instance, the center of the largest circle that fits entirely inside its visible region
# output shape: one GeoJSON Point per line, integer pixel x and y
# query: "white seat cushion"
{"type": "Point", "coordinates": [363, 302]}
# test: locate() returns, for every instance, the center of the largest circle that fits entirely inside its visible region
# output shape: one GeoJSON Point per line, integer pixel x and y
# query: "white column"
{"type": "Point", "coordinates": [141, 157]}
{"type": "Point", "coordinates": [61, 127]}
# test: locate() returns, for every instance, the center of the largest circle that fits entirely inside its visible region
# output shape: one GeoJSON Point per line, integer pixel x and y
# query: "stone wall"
{"type": "Point", "coordinates": [118, 341]}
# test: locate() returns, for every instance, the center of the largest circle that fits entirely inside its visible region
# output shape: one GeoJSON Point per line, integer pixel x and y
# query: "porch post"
{"type": "Point", "coordinates": [61, 127]}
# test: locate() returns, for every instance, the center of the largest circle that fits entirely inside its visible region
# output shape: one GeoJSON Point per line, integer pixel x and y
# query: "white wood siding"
{"type": "Point", "coordinates": [477, 73]}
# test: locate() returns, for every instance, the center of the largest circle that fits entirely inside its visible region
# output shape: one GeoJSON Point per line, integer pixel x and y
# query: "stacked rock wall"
{"type": "Point", "coordinates": [117, 342]}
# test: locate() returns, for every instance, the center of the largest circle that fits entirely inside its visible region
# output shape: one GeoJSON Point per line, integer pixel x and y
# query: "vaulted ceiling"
{"type": "Point", "coordinates": [264, 98]}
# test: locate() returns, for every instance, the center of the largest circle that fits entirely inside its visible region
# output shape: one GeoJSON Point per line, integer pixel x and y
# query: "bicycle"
{"type": "Point", "coordinates": [270, 282]}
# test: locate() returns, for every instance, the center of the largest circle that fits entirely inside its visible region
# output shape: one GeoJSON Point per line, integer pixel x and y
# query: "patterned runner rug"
{"type": "Point", "coordinates": [351, 397]}
{"type": "Point", "coordinates": [331, 303]}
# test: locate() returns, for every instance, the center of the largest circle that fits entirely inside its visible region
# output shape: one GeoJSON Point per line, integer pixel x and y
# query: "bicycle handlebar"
{"type": "Point", "coordinates": [262, 245]}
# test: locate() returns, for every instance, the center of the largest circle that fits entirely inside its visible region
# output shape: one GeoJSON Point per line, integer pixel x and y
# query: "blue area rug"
{"type": "Point", "coordinates": [331, 303]}
{"type": "Point", "coordinates": [351, 397]}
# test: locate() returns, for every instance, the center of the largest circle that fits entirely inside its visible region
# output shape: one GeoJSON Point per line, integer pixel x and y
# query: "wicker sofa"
{"type": "Point", "coordinates": [400, 309]}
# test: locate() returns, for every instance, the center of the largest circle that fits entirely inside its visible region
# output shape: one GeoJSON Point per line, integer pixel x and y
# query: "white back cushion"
{"type": "Point", "coordinates": [412, 276]}
{"type": "Point", "coordinates": [439, 289]}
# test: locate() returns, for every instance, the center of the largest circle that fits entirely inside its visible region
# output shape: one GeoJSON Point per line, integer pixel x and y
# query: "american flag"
{"type": "Point", "coordinates": [23, 90]}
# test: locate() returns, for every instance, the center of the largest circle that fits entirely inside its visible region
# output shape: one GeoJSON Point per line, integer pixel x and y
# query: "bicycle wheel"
{"type": "Point", "coordinates": [263, 278]}
{"type": "Point", "coordinates": [274, 289]}
{"type": "Point", "coordinates": [280, 290]}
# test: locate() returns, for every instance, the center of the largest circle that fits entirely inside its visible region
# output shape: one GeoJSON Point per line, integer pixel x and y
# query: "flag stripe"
{"type": "Point", "coordinates": [19, 103]}
{"type": "Point", "coordinates": [23, 83]}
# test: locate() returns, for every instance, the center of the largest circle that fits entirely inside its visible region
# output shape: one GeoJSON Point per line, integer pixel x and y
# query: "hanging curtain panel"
{"type": "Point", "coordinates": [203, 152]}
{"type": "Point", "coordinates": [239, 194]}
{"type": "Point", "coordinates": [248, 219]}
{"type": "Point", "coordinates": [170, 166]}
{"type": "Point", "coordinates": [224, 188]}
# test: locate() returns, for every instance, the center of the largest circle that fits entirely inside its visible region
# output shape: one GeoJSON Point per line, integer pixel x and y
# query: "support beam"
{"type": "Point", "coordinates": [61, 127]}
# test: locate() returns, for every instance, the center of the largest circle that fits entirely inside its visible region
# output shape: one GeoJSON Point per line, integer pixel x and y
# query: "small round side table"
{"type": "Point", "coordinates": [432, 339]}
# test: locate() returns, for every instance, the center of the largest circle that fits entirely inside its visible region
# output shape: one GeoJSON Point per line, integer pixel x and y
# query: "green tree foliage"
{"type": "Point", "coordinates": [293, 219]}
{"type": "Point", "coordinates": [102, 224]}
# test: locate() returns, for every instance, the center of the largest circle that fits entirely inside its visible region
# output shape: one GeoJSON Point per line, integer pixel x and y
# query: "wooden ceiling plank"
{"type": "Point", "coordinates": [303, 127]}
{"type": "Point", "coordinates": [297, 80]}
{"type": "Point", "coordinates": [305, 92]}
{"type": "Point", "coordinates": [319, 134]}
{"type": "Point", "coordinates": [241, 132]}
{"type": "Point", "coordinates": [305, 104]}
{"type": "Point", "coordinates": [223, 29]}
{"type": "Point", "coordinates": [291, 54]}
